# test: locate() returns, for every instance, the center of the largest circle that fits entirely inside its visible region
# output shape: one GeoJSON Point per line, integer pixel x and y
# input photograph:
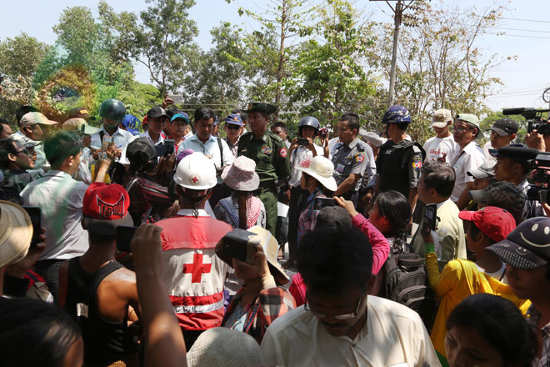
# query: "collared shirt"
{"type": "Point", "coordinates": [234, 148]}
{"type": "Point", "coordinates": [59, 197]}
{"type": "Point", "coordinates": [160, 140]}
{"type": "Point", "coordinates": [120, 138]}
{"type": "Point", "coordinates": [211, 149]}
{"type": "Point", "coordinates": [393, 335]}
{"type": "Point", "coordinates": [41, 161]}
{"type": "Point", "coordinates": [297, 157]}
{"type": "Point", "coordinates": [533, 318]}
{"type": "Point", "coordinates": [437, 147]}
{"type": "Point", "coordinates": [468, 159]}
{"type": "Point", "coordinates": [354, 158]}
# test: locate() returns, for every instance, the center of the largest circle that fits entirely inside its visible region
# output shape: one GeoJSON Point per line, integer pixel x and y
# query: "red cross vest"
{"type": "Point", "coordinates": [193, 273]}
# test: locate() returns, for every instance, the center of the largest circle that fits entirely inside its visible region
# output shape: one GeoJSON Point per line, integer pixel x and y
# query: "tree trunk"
{"type": "Point", "coordinates": [397, 21]}
{"type": "Point", "coordinates": [280, 67]}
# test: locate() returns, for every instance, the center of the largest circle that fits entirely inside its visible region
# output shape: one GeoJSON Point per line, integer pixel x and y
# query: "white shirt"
{"type": "Point", "coordinates": [148, 137]}
{"type": "Point", "coordinates": [468, 159]}
{"type": "Point", "coordinates": [332, 143]}
{"type": "Point", "coordinates": [211, 149]}
{"type": "Point", "coordinates": [488, 156]}
{"type": "Point", "coordinates": [120, 138]}
{"type": "Point", "coordinates": [394, 335]}
{"type": "Point", "coordinates": [435, 148]}
{"type": "Point", "coordinates": [59, 197]}
{"type": "Point", "coordinates": [298, 156]}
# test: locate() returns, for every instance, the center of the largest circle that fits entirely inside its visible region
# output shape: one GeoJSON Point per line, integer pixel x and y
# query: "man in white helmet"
{"type": "Point", "coordinates": [194, 275]}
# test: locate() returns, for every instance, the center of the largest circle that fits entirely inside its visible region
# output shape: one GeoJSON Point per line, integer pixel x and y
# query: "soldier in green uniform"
{"type": "Point", "coordinates": [270, 155]}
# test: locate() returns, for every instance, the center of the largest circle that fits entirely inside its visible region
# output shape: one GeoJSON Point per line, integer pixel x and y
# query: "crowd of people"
{"type": "Point", "coordinates": [207, 240]}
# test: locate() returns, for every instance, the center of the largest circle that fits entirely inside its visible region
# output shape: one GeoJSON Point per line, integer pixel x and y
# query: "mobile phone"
{"type": "Point", "coordinates": [124, 236]}
{"type": "Point", "coordinates": [237, 244]}
{"type": "Point", "coordinates": [430, 217]}
{"type": "Point", "coordinates": [36, 218]}
{"type": "Point", "coordinates": [320, 203]}
{"type": "Point", "coordinates": [303, 141]}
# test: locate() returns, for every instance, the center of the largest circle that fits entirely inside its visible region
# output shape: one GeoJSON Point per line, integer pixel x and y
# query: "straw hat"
{"type": "Point", "coordinates": [15, 233]}
{"type": "Point", "coordinates": [321, 169]}
{"type": "Point", "coordinates": [241, 175]}
{"type": "Point", "coordinates": [224, 347]}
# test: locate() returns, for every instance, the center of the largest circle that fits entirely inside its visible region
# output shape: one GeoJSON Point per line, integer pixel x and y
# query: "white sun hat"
{"type": "Point", "coordinates": [322, 170]}
{"type": "Point", "coordinates": [196, 172]}
{"type": "Point", "coordinates": [15, 233]}
{"type": "Point", "coordinates": [225, 347]}
{"type": "Point", "coordinates": [241, 175]}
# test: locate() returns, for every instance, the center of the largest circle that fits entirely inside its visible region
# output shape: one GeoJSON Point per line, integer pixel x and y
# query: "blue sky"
{"type": "Point", "coordinates": [525, 23]}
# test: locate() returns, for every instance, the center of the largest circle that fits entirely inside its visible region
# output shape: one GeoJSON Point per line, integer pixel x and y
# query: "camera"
{"type": "Point", "coordinates": [165, 148]}
{"type": "Point", "coordinates": [323, 132]}
{"type": "Point", "coordinates": [303, 141]}
{"type": "Point", "coordinates": [532, 115]}
{"type": "Point", "coordinates": [540, 189]}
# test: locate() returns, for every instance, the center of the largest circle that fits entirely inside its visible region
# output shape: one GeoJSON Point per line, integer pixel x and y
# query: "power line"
{"type": "Point", "coordinates": [518, 36]}
{"type": "Point", "coordinates": [524, 30]}
{"type": "Point", "coordinates": [527, 20]}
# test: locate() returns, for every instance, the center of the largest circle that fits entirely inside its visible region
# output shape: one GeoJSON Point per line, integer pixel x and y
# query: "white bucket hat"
{"type": "Point", "coordinates": [321, 169]}
{"type": "Point", "coordinates": [241, 175]}
{"type": "Point", "coordinates": [15, 233]}
{"type": "Point", "coordinates": [196, 172]}
{"type": "Point", "coordinates": [225, 347]}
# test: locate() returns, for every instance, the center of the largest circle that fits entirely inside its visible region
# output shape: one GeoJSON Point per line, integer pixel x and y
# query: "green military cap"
{"type": "Point", "coordinates": [261, 107]}
{"type": "Point", "coordinates": [469, 118]}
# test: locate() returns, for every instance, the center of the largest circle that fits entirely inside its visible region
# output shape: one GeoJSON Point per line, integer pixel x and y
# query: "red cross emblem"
{"type": "Point", "coordinates": [197, 268]}
{"type": "Point", "coordinates": [195, 179]}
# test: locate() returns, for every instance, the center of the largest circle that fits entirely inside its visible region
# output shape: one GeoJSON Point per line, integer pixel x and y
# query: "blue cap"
{"type": "Point", "coordinates": [131, 123]}
{"type": "Point", "coordinates": [234, 119]}
{"type": "Point", "coordinates": [181, 115]}
{"type": "Point", "coordinates": [396, 114]}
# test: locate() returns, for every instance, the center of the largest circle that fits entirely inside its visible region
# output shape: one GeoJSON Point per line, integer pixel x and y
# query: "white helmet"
{"type": "Point", "coordinates": [196, 172]}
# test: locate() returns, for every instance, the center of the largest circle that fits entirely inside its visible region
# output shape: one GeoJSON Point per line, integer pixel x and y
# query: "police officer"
{"type": "Point", "coordinates": [352, 158]}
{"type": "Point", "coordinates": [400, 160]}
{"type": "Point", "coordinates": [270, 155]}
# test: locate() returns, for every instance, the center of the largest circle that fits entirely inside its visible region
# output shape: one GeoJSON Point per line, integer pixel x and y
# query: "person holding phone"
{"type": "Point", "coordinates": [261, 300]}
{"type": "Point", "coordinates": [96, 290]}
{"type": "Point", "coordinates": [318, 182]}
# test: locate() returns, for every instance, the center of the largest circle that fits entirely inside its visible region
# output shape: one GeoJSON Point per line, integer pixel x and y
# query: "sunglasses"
{"type": "Point", "coordinates": [344, 316]}
{"type": "Point", "coordinates": [233, 127]}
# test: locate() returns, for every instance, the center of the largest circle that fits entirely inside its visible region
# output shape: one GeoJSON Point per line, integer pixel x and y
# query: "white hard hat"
{"type": "Point", "coordinates": [196, 172]}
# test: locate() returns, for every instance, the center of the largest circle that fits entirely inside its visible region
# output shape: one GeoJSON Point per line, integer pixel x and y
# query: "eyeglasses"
{"type": "Point", "coordinates": [461, 128]}
{"type": "Point", "coordinates": [344, 316]}
{"type": "Point", "coordinates": [26, 151]}
{"type": "Point", "coordinates": [233, 127]}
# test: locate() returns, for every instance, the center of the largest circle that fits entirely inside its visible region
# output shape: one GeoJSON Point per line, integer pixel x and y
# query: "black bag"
{"type": "Point", "coordinates": [406, 282]}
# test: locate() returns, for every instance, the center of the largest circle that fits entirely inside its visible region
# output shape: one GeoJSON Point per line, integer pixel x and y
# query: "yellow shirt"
{"type": "Point", "coordinates": [458, 280]}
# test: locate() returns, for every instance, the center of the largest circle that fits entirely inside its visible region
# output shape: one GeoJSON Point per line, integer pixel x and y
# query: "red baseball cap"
{"type": "Point", "coordinates": [494, 222]}
{"type": "Point", "coordinates": [108, 204]}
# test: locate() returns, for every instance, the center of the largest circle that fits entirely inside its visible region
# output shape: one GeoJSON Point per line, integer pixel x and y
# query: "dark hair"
{"type": "Point", "coordinates": [35, 333]}
{"type": "Point", "coordinates": [396, 208]}
{"type": "Point", "coordinates": [352, 119]}
{"type": "Point", "coordinates": [330, 260]}
{"type": "Point", "coordinates": [204, 113]}
{"type": "Point", "coordinates": [3, 121]}
{"type": "Point", "coordinates": [6, 146]}
{"type": "Point", "coordinates": [23, 110]}
{"type": "Point", "coordinates": [280, 124]}
{"type": "Point", "coordinates": [60, 146]}
{"type": "Point", "coordinates": [500, 323]}
{"type": "Point", "coordinates": [328, 193]}
{"type": "Point", "coordinates": [439, 176]}
{"type": "Point", "coordinates": [99, 232]}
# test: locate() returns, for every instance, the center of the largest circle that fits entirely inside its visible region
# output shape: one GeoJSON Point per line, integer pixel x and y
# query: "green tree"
{"type": "Point", "coordinates": [19, 59]}
{"type": "Point", "coordinates": [161, 39]}
{"type": "Point", "coordinates": [330, 76]}
{"type": "Point", "coordinates": [440, 64]}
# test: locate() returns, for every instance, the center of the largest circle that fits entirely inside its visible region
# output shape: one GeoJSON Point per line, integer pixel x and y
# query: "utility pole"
{"type": "Point", "coordinates": [398, 11]}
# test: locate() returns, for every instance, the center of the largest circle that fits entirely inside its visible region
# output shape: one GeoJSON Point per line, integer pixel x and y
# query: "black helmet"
{"type": "Point", "coordinates": [112, 109]}
{"type": "Point", "coordinates": [309, 121]}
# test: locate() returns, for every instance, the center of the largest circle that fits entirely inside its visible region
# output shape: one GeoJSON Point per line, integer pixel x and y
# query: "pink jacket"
{"type": "Point", "coordinates": [380, 252]}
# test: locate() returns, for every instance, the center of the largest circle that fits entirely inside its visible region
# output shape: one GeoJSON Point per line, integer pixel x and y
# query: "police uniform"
{"type": "Point", "coordinates": [350, 159]}
{"type": "Point", "coordinates": [272, 165]}
{"type": "Point", "coordinates": [398, 166]}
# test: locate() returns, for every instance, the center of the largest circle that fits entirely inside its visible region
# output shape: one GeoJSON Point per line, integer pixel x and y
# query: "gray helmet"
{"type": "Point", "coordinates": [309, 121]}
{"type": "Point", "coordinates": [112, 109]}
